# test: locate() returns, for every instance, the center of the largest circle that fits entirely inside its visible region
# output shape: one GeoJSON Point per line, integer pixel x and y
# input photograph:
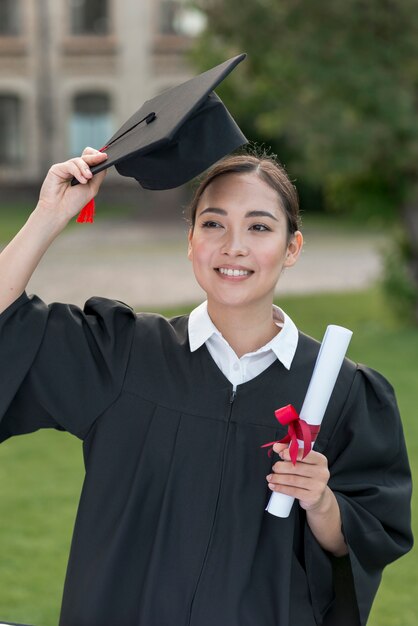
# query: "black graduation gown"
{"type": "Point", "coordinates": [171, 527]}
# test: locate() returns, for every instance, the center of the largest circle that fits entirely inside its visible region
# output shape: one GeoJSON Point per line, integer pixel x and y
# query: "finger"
{"type": "Point", "coordinates": [279, 447]}
{"type": "Point", "coordinates": [96, 181]}
{"type": "Point", "coordinates": [289, 479]}
{"type": "Point", "coordinates": [286, 458]}
{"type": "Point", "coordinates": [318, 472]}
{"type": "Point", "coordinates": [307, 499]}
{"type": "Point", "coordinates": [84, 164]}
{"type": "Point", "coordinates": [297, 491]}
{"type": "Point", "coordinates": [300, 469]}
{"type": "Point", "coordinates": [312, 458]}
{"type": "Point", "coordinates": [90, 160]}
{"type": "Point", "coordinates": [319, 476]}
{"type": "Point", "coordinates": [283, 450]}
{"type": "Point", "coordinates": [294, 492]}
{"type": "Point", "coordinates": [94, 159]}
{"type": "Point", "coordinates": [89, 150]}
{"type": "Point", "coordinates": [69, 169]}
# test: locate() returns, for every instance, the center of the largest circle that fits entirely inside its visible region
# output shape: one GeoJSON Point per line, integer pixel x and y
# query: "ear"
{"type": "Point", "coordinates": [294, 249]}
{"type": "Point", "coordinates": [190, 248]}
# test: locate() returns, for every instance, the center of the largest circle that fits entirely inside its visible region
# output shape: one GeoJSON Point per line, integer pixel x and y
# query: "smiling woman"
{"type": "Point", "coordinates": [243, 234]}
{"type": "Point", "coordinates": [183, 537]}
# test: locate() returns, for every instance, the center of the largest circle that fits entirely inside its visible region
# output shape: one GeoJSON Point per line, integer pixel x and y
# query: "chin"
{"type": "Point", "coordinates": [230, 301]}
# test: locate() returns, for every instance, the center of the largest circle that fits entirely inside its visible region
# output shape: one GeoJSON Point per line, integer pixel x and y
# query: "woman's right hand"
{"type": "Point", "coordinates": [58, 203]}
{"type": "Point", "coordinates": [58, 200]}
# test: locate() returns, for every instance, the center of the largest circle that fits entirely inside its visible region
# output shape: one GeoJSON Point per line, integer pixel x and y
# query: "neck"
{"type": "Point", "coordinates": [245, 330]}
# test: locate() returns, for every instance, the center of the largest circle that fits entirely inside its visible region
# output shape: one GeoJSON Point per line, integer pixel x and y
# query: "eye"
{"type": "Point", "coordinates": [211, 224]}
{"type": "Point", "coordinates": [260, 228]}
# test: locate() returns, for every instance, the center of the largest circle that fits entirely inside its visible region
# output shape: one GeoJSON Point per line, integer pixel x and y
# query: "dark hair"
{"type": "Point", "coordinates": [268, 169]}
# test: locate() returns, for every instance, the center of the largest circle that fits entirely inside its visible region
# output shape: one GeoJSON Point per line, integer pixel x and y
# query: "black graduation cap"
{"type": "Point", "coordinates": [176, 135]}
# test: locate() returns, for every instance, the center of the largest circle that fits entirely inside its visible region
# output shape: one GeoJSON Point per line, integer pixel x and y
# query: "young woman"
{"type": "Point", "coordinates": [172, 528]}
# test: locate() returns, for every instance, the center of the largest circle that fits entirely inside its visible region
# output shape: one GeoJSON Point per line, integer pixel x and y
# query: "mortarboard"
{"type": "Point", "coordinates": [176, 135]}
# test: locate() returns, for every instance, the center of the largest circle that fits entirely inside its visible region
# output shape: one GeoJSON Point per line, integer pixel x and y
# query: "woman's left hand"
{"type": "Point", "coordinates": [307, 480]}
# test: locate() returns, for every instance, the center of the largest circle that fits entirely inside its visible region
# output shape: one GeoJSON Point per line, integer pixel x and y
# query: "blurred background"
{"type": "Point", "coordinates": [71, 71]}
{"type": "Point", "coordinates": [331, 88]}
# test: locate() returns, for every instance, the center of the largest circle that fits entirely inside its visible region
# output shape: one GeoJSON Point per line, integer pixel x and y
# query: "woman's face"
{"type": "Point", "coordinates": [239, 245]}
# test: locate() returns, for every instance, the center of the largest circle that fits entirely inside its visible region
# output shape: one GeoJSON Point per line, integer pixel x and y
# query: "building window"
{"type": "Point", "coordinates": [90, 122]}
{"type": "Point", "coordinates": [9, 18]}
{"type": "Point", "coordinates": [90, 17]}
{"type": "Point", "coordinates": [11, 151]}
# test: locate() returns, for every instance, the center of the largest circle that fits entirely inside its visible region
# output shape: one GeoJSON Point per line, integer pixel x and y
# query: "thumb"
{"type": "Point", "coordinates": [279, 447]}
{"type": "Point", "coordinates": [96, 181]}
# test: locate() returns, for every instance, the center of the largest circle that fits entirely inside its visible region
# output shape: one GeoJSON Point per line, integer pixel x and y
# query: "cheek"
{"type": "Point", "coordinates": [198, 251]}
{"type": "Point", "coordinates": [273, 257]}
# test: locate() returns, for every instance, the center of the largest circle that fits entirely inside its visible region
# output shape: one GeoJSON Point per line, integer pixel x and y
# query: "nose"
{"type": "Point", "coordinates": [234, 245]}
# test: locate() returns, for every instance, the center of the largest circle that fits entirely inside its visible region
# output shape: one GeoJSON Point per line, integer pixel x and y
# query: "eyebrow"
{"type": "Point", "coordinates": [248, 214]}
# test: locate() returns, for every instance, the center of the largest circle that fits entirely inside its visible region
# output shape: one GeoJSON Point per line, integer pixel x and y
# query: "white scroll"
{"type": "Point", "coordinates": [327, 367]}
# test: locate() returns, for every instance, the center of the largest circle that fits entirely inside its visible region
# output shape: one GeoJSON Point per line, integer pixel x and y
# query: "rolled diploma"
{"type": "Point", "coordinates": [327, 367]}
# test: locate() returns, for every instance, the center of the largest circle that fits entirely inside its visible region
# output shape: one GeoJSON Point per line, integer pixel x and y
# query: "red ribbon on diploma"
{"type": "Point", "coordinates": [296, 429]}
{"type": "Point", "coordinates": [87, 212]}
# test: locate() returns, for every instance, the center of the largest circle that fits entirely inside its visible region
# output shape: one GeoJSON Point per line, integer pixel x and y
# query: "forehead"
{"type": "Point", "coordinates": [245, 191]}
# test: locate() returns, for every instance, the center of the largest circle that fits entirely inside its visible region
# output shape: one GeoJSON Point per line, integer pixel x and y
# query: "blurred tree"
{"type": "Point", "coordinates": [336, 84]}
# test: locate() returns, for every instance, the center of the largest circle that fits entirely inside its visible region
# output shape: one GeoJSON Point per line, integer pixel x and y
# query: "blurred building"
{"type": "Point", "coordinates": [71, 71]}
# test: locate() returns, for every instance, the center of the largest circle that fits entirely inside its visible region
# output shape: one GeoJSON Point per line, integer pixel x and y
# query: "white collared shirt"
{"type": "Point", "coordinates": [240, 370]}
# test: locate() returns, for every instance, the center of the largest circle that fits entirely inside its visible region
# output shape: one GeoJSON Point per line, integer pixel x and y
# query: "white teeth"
{"type": "Point", "coordinates": [230, 272]}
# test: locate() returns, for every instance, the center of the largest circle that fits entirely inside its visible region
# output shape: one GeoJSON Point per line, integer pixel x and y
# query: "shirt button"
{"type": "Point", "coordinates": [236, 366]}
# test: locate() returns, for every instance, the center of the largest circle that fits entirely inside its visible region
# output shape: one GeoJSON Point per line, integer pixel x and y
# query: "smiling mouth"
{"type": "Point", "coordinates": [227, 271]}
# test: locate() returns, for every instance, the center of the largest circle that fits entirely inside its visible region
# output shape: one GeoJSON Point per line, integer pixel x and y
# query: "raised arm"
{"type": "Point", "coordinates": [58, 203]}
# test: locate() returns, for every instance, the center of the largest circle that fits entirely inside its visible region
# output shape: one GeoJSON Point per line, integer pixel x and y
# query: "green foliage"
{"type": "Point", "coordinates": [334, 84]}
{"type": "Point", "coordinates": [398, 284]}
{"type": "Point", "coordinates": [366, 196]}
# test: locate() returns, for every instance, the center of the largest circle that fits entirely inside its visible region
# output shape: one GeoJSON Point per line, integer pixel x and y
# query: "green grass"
{"type": "Point", "coordinates": [41, 474]}
{"type": "Point", "coordinates": [12, 218]}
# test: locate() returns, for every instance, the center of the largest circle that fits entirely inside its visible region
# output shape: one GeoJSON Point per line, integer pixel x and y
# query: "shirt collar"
{"type": "Point", "coordinates": [284, 344]}
{"type": "Point", "coordinates": [201, 327]}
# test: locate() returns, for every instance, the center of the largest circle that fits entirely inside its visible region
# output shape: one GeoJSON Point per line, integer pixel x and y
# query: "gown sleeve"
{"type": "Point", "coordinates": [60, 366]}
{"type": "Point", "coordinates": [371, 479]}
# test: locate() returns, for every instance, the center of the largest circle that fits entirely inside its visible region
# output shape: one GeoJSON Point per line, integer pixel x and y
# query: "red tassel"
{"type": "Point", "coordinates": [87, 213]}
